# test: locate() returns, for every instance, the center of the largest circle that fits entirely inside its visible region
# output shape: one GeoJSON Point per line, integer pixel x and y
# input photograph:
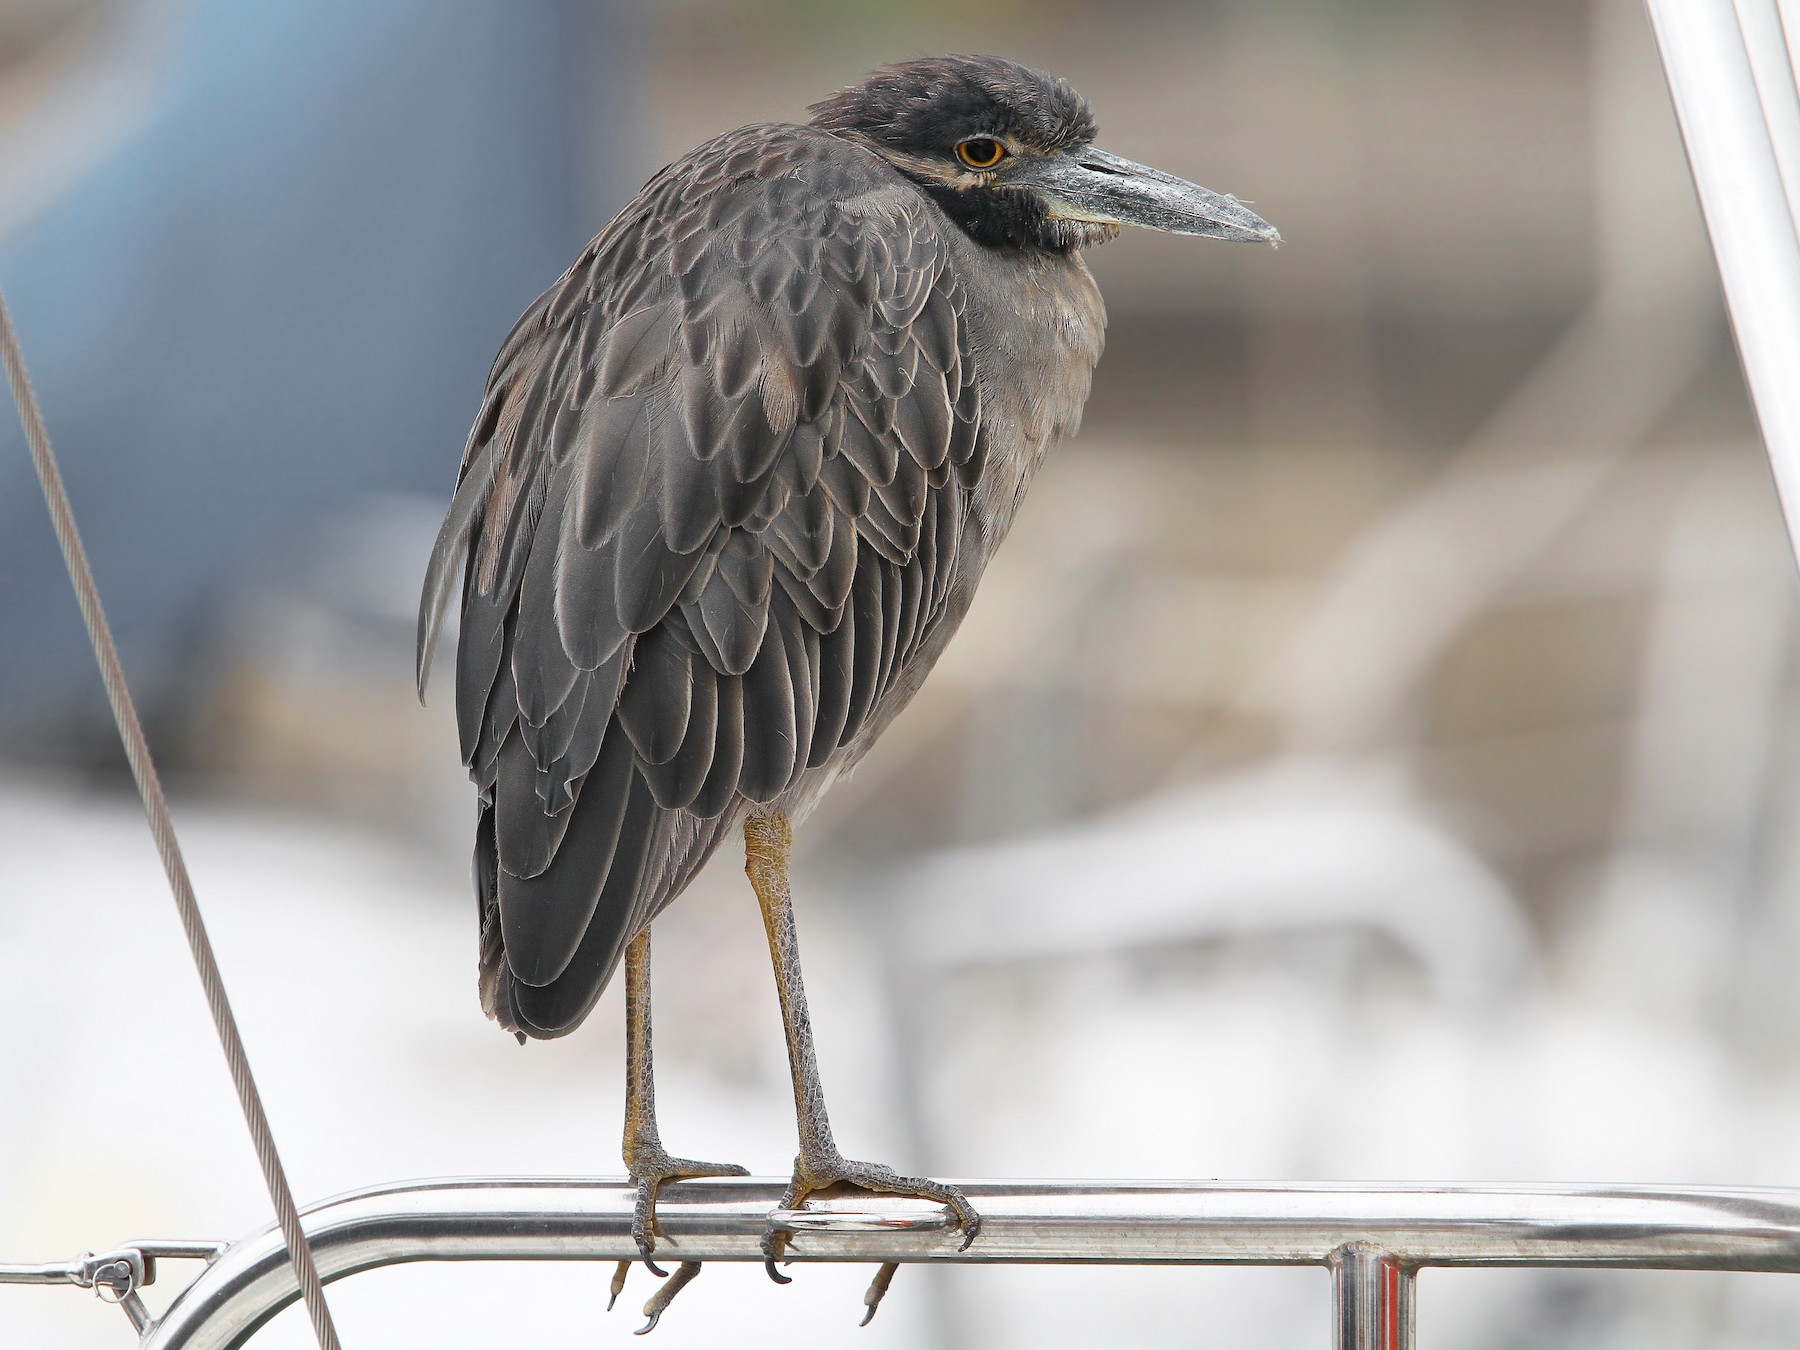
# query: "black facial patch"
{"type": "Point", "coordinates": [1003, 218]}
{"type": "Point", "coordinates": [925, 107]}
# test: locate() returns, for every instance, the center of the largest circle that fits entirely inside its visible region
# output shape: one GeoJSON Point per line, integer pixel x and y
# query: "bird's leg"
{"type": "Point", "coordinates": [768, 839]}
{"type": "Point", "coordinates": [645, 1158]}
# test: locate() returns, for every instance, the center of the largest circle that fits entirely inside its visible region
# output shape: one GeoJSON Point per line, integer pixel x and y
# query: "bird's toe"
{"type": "Point", "coordinates": [651, 1171]}
{"type": "Point", "coordinates": [663, 1297]}
{"type": "Point", "coordinates": [815, 1174]}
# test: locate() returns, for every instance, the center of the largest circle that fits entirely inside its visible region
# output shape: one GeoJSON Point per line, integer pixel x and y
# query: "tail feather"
{"type": "Point", "coordinates": [672, 848]}
{"type": "Point", "coordinates": [493, 981]}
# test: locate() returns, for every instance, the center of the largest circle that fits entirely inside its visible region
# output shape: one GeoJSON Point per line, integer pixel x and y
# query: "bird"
{"type": "Point", "coordinates": [731, 488]}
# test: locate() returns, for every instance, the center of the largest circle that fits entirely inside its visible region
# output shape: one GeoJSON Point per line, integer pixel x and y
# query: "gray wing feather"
{"type": "Point", "coordinates": [659, 699]}
{"type": "Point", "coordinates": [677, 781]}
{"type": "Point", "coordinates": [771, 714]}
{"type": "Point", "coordinates": [720, 787]}
{"type": "Point", "coordinates": [447, 554]}
{"type": "Point", "coordinates": [543, 669]}
{"type": "Point", "coordinates": [544, 916]}
{"type": "Point", "coordinates": [705, 522]}
{"type": "Point", "coordinates": [613, 451]}
{"type": "Point", "coordinates": [832, 690]}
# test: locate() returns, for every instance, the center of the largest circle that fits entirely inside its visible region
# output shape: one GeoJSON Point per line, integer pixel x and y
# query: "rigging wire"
{"type": "Point", "coordinates": [156, 807]}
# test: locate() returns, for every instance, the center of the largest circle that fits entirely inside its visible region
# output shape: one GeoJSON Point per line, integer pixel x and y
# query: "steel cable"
{"type": "Point", "coordinates": [156, 807]}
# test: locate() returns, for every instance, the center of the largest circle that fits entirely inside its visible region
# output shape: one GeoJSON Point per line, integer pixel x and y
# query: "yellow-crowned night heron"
{"type": "Point", "coordinates": [730, 492]}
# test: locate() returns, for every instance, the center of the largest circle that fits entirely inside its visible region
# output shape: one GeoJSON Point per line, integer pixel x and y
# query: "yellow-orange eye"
{"type": "Point", "coordinates": [980, 152]}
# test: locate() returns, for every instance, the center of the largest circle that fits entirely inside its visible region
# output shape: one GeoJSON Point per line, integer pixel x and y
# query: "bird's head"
{"type": "Point", "coordinates": [1008, 153]}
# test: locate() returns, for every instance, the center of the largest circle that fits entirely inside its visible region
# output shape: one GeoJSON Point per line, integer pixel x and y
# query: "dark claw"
{"type": "Point", "coordinates": [878, 1288]}
{"type": "Point", "coordinates": [774, 1274]}
{"type": "Point", "coordinates": [662, 1298]}
{"type": "Point", "coordinates": [662, 1274]}
{"type": "Point", "coordinates": [971, 1227]}
{"type": "Point", "coordinates": [618, 1283]}
{"type": "Point", "coordinates": [643, 1218]}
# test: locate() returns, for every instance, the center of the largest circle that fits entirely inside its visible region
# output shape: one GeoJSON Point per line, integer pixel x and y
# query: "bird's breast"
{"type": "Point", "coordinates": [1038, 326]}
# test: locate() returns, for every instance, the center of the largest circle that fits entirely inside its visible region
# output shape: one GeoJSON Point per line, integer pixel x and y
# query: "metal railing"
{"type": "Point", "coordinates": [1373, 1239]}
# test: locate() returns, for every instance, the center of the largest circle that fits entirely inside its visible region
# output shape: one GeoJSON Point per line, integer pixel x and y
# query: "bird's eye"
{"type": "Point", "coordinates": [980, 152]}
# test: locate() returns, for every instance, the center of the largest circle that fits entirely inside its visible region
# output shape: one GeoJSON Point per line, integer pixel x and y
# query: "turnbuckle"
{"type": "Point", "coordinates": [115, 1276]}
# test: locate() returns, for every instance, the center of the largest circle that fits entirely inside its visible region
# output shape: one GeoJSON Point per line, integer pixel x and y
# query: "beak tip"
{"type": "Point", "coordinates": [1260, 233]}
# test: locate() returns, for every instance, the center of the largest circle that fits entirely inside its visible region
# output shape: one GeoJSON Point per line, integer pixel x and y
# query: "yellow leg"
{"type": "Point", "coordinates": [646, 1160]}
{"type": "Point", "coordinates": [768, 841]}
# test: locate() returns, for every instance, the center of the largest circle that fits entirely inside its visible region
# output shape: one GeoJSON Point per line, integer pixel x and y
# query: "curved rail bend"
{"type": "Point", "coordinates": [1106, 1222]}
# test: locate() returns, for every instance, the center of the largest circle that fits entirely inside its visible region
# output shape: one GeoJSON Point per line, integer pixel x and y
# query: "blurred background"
{"type": "Point", "coordinates": [1373, 756]}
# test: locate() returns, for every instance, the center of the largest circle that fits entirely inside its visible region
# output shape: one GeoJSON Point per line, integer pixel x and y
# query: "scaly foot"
{"type": "Point", "coordinates": [812, 1174]}
{"type": "Point", "coordinates": [650, 1167]}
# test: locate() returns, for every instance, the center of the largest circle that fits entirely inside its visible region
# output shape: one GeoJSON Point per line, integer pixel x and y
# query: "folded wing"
{"type": "Point", "coordinates": [708, 516]}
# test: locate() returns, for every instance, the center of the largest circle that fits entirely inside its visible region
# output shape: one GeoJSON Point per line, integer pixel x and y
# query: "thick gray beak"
{"type": "Point", "coordinates": [1094, 186]}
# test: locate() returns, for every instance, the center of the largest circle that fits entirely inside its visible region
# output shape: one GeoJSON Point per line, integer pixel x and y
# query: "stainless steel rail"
{"type": "Point", "coordinates": [1372, 1238]}
{"type": "Point", "coordinates": [1731, 77]}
